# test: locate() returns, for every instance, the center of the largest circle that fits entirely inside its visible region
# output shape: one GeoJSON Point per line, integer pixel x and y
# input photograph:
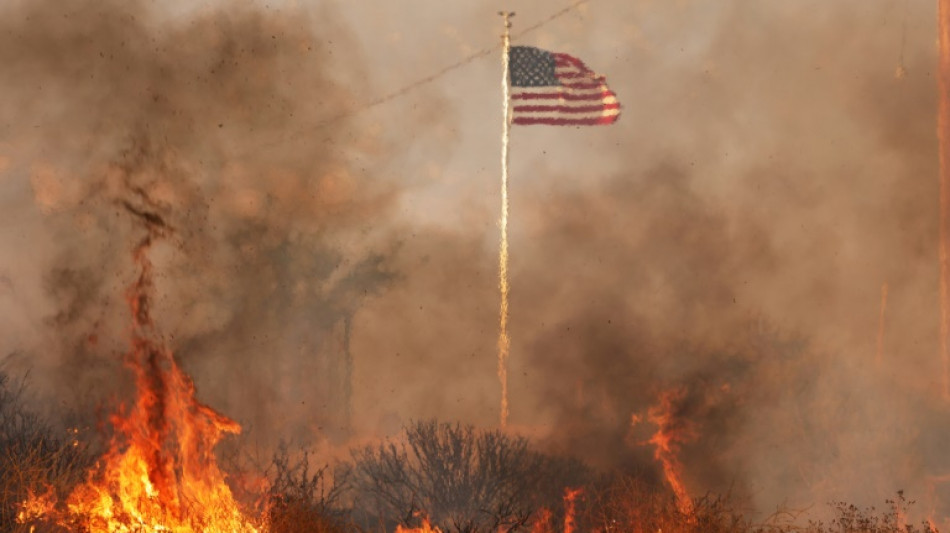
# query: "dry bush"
{"type": "Point", "coordinates": [464, 480]}
{"type": "Point", "coordinates": [303, 499]}
{"type": "Point", "coordinates": [628, 505]}
{"type": "Point", "coordinates": [851, 519]}
{"type": "Point", "coordinates": [33, 456]}
{"type": "Point", "coordinates": [625, 504]}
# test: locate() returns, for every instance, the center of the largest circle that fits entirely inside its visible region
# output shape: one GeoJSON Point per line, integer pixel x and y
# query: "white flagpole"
{"type": "Point", "coordinates": [504, 342]}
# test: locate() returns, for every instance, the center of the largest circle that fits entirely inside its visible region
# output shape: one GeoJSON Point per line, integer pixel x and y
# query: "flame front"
{"type": "Point", "coordinates": [160, 473]}
{"type": "Point", "coordinates": [669, 434]}
{"type": "Point", "coordinates": [426, 527]}
{"type": "Point", "coordinates": [570, 509]}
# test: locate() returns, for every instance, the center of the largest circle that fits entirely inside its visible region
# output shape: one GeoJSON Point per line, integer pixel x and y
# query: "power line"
{"type": "Point", "coordinates": [433, 77]}
{"type": "Point", "coordinates": [459, 64]}
{"type": "Point", "coordinates": [557, 15]}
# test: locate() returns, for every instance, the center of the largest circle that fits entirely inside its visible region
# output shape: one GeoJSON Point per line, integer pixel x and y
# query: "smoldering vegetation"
{"type": "Point", "coordinates": [729, 245]}
{"type": "Point", "coordinates": [438, 477]}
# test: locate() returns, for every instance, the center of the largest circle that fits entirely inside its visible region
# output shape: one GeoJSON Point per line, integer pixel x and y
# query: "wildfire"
{"type": "Point", "coordinates": [426, 527]}
{"type": "Point", "coordinates": [670, 433]}
{"type": "Point", "coordinates": [542, 522]}
{"type": "Point", "coordinates": [160, 472]}
{"type": "Point", "coordinates": [570, 509]}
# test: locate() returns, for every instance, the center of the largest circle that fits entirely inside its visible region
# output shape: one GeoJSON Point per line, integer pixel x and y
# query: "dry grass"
{"type": "Point", "coordinates": [33, 455]}
{"type": "Point", "coordinates": [627, 505]}
{"type": "Point", "coordinates": [301, 498]}
{"type": "Point", "coordinates": [466, 481]}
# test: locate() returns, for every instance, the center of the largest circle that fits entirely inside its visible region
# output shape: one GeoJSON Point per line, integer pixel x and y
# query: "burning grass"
{"type": "Point", "coordinates": [160, 471]}
{"type": "Point", "coordinates": [438, 477]}
{"type": "Point", "coordinates": [33, 454]}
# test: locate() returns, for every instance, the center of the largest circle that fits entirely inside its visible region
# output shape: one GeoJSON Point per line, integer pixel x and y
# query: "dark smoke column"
{"type": "Point", "coordinates": [943, 138]}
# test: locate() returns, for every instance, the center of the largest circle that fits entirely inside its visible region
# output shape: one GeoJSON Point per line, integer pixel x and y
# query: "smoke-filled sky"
{"type": "Point", "coordinates": [775, 165]}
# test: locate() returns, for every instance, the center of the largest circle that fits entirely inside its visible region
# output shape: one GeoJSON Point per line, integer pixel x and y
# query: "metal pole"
{"type": "Point", "coordinates": [504, 342]}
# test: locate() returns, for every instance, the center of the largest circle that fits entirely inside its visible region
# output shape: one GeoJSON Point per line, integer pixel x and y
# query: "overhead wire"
{"type": "Point", "coordinates": [300, 135]}
{"type": "Point", "coordinates": [406, 89]}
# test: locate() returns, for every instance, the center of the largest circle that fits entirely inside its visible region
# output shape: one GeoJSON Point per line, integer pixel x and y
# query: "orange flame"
{"type": "Point", "coordinates": [570, 509]}
{"type": "Point", "coordinates": [933, 499]}
{"type": "Point", "coordinates": [160, 472]}
{"type": "Point", "coordinates": [670, 433]}
{"type": "Point", "coordinates": [426, 527]}
{"type": "Point", "coordinates": [542, 522]}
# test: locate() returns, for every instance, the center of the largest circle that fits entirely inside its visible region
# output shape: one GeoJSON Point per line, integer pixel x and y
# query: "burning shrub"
{"type": "Point", "coordinates": [462, 479]}
{"type": "Point", "coordinates": [627, 504]}
{"type": "Point", "coordinates": [301, 498]}
{"type": "Point", "coordinates": [32, 454]}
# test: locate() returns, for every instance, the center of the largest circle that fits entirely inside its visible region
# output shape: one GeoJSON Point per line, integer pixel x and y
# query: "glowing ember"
{"type": "Point", "coordinates": [160, 472]}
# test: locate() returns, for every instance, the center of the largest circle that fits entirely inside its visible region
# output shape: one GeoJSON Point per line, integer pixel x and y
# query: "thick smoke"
{"type": "Point", "coordinates": [728, 238]}
{"type": "Point", "coordinates": [775, 180]}
{"type": "Point", "coordinates": [219, 121]}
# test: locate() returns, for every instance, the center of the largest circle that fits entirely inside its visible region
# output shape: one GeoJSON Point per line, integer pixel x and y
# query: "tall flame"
{"type": "Point", "coordinates": [160, 472]}
{"type": "Point", "coordinates": [670, 433]}
{"type": "Point", "coordinates": [570, 509]}
{"type": "Point", "coordinates": [542, 519]}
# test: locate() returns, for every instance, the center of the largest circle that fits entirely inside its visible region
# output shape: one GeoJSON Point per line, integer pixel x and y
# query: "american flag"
{"type": "Point", "coordinates": [558, 90]}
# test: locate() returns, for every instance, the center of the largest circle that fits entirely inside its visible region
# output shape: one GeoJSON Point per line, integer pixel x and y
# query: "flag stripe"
{"type": "Point", "coordinates": [602, 95]}
{"type": "Point", "coordinates": [561, 121]}
{"type": "Point", "coordinates": [595, 113]}
{"type": "Point", "coordinates": [582, 85]}
{"type": "Point", "coordinates": [565, 108]}
{"type": "Point", "coordinates": [573, 61]}
{"type": "Point", "coordinates": [613, 113]}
